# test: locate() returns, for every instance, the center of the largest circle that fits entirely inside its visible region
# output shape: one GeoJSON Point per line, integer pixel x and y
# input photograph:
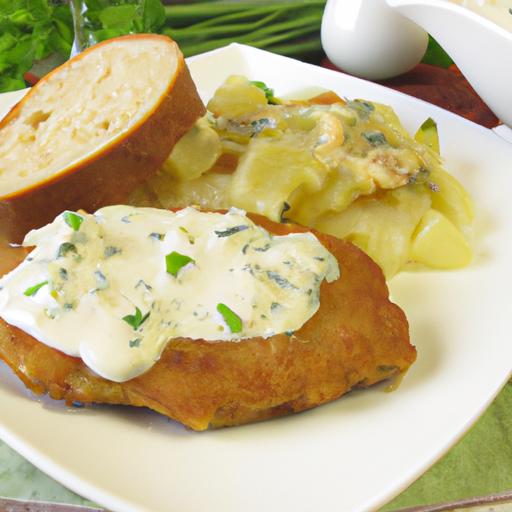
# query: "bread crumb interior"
{"type": "Point", "coordinates": [82, 107]}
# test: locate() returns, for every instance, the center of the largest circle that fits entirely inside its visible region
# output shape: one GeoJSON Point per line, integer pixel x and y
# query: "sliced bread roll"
{"type": "Point", "coordinates": [92, 130]}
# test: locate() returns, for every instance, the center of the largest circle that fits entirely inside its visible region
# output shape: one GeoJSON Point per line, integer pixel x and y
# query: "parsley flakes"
{"type": "Point", "coordinates": [175, 261]}
{"type": "Point", "coordinates": [73, 220]}
{"type": "Point", "coordinates": [32, 290]}
{"type": "Point", "coordinates": [231, 231]}
{"type": "Point", "coordinates": [233, 321]}
{"type": "Point", "coordinates": [136, 320]}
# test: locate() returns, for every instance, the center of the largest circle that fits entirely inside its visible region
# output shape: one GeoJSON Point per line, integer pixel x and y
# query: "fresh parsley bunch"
{"type": "Point", "coordinates": [31, 30]}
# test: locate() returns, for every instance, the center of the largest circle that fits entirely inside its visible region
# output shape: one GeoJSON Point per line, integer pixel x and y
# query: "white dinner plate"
{"type": "Point", "coordinates": [351, 455]}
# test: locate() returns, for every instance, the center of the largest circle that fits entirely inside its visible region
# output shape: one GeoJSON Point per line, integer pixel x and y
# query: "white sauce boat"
{"type": "Point", "coordinates": [383, 38]}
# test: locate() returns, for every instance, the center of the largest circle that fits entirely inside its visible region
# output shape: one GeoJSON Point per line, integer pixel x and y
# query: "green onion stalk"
{"type": "Point", "coordinates": [289, 27]}
{"type": "Point", "coordinates": [35, 31]}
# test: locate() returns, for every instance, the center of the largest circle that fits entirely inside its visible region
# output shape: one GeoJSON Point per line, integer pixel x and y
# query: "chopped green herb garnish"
{"type": "Point", "coordinates": [433, 186]}
{"type": "Point", "coordinates": [280, 280]}
{"type": "Point", "coordinates": [285, 208]}
{"type": "Point", "coordinates": [375, 138]}
{"type": "Point", "coordinates": [143, 283]}
{"type": "Point", "coordinates": [68, 306]}
{"type": "Point", "coordinates": [244, 248]}
{"type": "Point", "coordinates": [63, 274]}
{"type": "Point", "coordinates": [420, 177]}
{"type": "Point", "coordinates": [191, 239]}
{"type": "Point", "coordinates": [260, 124]}
{"type": "Point", "coordinates": [50, 313]}
{"type": "Point", "coordinates": [248, 268]}
{"type": "Point", "coordinates": [157, 236]}
{"type": "Point", "coordinates": [65, 248]}
{"type": "Point", "coordinates": [30, 292]}
{"type": "Point", "coordinates": [110, 250]}
{"type": "Point", "coordinates": [265, 248]}
{"type": "Point", "coordinates": [269, 93]}
{"type": "Point", "coordinates": [135, 342]}
{"type": "Point", "coordinates": [363, 108]}
{"type": "Point", "coordinates": [289, 333]}
{"type": "Point", "coordinates": [175, 261]}
{"type": "Point", "coordinates": [318, 258]}
{"type": "Point", "coordinates": [275, 305]}
{"type": "Point", "coordinates": [73, 220]}
{"type": "Point", "coordinates": [232, 231]}
{"type": "Point", "coordinates": [101, 280]}
{"type": "Point", "coordinates": [137, 319]}
{"type": "Point", "coordinates": [233, 321]}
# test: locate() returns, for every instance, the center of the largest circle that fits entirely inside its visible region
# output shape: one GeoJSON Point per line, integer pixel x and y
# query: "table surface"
{"type": "Point", "coordinates": [479, 464]}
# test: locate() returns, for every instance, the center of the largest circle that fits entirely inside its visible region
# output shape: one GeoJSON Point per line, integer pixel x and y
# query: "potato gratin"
{"type": "Point", "coordinates": [346, 168]}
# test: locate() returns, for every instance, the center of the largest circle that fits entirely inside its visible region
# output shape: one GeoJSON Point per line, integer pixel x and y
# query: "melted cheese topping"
{"type": "Point", "coordinates": [114, 287]}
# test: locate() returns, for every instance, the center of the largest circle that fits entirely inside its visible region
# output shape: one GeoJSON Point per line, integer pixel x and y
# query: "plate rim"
{"type": "Point", "coordinates": [92, 492]}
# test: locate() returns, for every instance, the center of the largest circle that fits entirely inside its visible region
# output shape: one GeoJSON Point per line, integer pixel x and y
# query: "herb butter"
{"type": "Point", "coordinates": [114, 287]}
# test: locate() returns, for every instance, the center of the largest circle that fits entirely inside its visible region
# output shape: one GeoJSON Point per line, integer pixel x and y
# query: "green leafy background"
{"type": "Point", "coordinates": [33, 30]}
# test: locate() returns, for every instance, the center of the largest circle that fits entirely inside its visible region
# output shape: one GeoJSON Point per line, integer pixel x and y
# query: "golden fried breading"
{"type": "Point", "coordinates": [357, 338]}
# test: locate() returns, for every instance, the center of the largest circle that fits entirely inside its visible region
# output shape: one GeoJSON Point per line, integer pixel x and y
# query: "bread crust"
{"type": "Point", "coordinates": [106, 177]}
{"type": "Point", "coordinates": [357, 338]}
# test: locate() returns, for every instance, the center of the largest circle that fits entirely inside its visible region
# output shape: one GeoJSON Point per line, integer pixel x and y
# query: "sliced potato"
{"type": "Point", "coordinates": [348, 169]}
{"type": "Point", "coordinates": [427, 134]}
{"type": "Point", "coordinates": [451, 199]}
{"type": "Point", "coordinates": [381, 226]}
{"type": "Point", "coordinates": [237, 96]}
{"type": "Point", "coordinates": [270, 171]}
{"type": "Point", "coordinates": [448, 196]}
{"type": "Point", "coordinates": [195, 152]}
{"type": "Point", "coordinates": [438, 243]}
{"type": "Point", "coordinates": [209, 191]}
{"type": "Point", "coordinates": [341, 188]}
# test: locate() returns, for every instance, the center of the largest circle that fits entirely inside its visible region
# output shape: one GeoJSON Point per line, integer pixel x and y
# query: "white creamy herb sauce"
{"type": "Point", "coordinates": [499, 11]}
{"type": "Point", "coordinates": [114, 287]}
